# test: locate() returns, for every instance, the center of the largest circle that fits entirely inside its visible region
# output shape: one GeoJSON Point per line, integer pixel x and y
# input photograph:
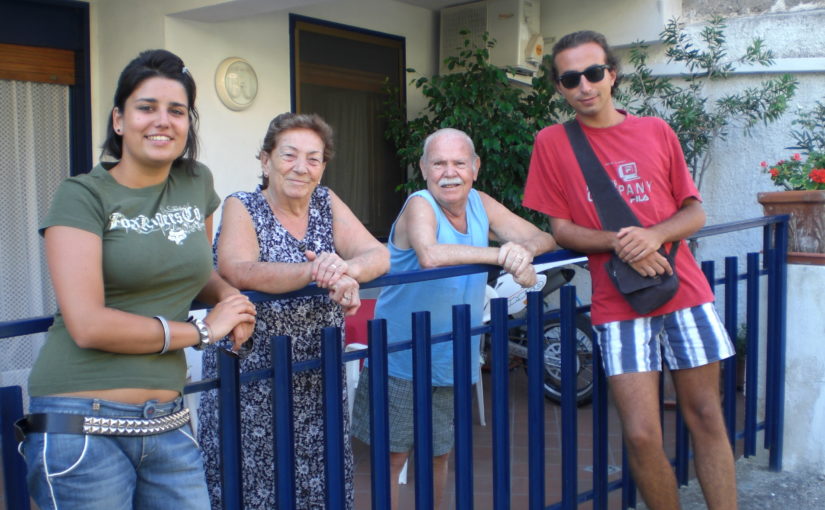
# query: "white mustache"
{"type": "Point", "coordinates": [450, 181]}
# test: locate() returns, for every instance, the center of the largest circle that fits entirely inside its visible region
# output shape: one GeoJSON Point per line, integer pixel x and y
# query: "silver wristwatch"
{"type": "Point", "coordinates": [203, 333]}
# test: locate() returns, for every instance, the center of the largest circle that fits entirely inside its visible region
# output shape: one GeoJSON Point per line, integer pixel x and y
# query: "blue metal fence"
{"type": "Point", "coordinates": [770, 266]}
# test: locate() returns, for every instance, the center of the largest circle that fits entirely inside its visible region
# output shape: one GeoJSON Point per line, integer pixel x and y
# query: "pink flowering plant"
{"type": "Point", "coordinates": [798, 172]}
{"type": "Point", "coordinates": [803, 170]}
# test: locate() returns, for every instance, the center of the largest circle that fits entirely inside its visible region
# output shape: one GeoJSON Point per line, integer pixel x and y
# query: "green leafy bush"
{"type": "Point", "coordinates": [684, 101]}
{"type": "Point", "coordinates": [502, 119]}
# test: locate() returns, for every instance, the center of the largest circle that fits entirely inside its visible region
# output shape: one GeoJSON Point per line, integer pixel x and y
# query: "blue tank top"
{"type": "Point", "coordinates": [398, 302]}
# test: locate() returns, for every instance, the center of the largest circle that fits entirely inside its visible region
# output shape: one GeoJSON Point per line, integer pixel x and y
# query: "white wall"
{"type": "Point", "coordinates": [123, 28]}
{"type": "Point", "coordinates": [735, 177]}
{"type": "Point", "coordinates": [804, 449]}
{"type": "Point", "coordinates": [231, 139]}
{"type": "Point", "coordinates": [622, 22]}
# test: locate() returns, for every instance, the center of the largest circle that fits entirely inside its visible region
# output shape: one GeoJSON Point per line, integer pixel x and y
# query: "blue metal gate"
{"type": "Point", "coordinates": [770, 265]}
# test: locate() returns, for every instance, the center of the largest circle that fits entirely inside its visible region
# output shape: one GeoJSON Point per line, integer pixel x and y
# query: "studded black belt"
{"type": "Point", "coordinates": [58, 423]}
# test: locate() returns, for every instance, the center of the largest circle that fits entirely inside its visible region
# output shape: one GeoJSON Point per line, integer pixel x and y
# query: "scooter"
{"type": "Point", "coordinates": [550, 277]}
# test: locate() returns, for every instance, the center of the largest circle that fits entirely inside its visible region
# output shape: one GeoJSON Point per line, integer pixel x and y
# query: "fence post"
{"type": "Point", "coordinates": [628, 485]}
{"type": "Point", "coordinates": [499, 374]}
{"type": "Point", "coordinates": [463, 371]}
{"type": "Point", "coordinates": [535, 399]}
{"type": "Point", "coordinates": [229, 429]}
{"type": "Point", "coordinates": [752, 368]}
{"type": "Point", "coordinates": [423, 410]}
{"type": "Point", "coordinates": [14, 467]}
{"type": "Point", "coordinates": [334, 414]}
{"type": "Point", "coordinates": [729, 364]}
{"type": "Point", "coordinates": [282, 421]}
{"type": "Point", "coordinates": [379, 422]}
{"type": "Point", "coordinates": [770, 352]}
{"type": "Point", "coordinates": [569, 432]}
{"type": "Point", "coordinates": [600, 438]}
{"type": "Point", "coordinates": [682, 450]}
{"type": "Point", "coordinates": [780, 302]}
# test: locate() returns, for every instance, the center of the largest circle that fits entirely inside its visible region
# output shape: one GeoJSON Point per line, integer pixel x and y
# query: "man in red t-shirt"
{"type": "Point", "coordinates": [644, 160]}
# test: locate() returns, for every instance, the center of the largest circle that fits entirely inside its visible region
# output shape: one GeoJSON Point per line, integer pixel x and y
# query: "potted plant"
{"type": "Point", "coordinates": [802, 176]}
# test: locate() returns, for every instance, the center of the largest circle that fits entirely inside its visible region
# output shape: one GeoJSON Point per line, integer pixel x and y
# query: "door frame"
{"type": "Point", "coordinates": [295, 19]}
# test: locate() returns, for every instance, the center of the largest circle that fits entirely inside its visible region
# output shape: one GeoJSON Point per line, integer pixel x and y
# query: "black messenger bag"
{"type": "Point", "coordinates": [644, 293]}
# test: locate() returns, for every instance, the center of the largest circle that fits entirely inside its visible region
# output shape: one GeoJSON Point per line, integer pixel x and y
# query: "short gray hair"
{"type": "Point", "coordinates": [448, 131]}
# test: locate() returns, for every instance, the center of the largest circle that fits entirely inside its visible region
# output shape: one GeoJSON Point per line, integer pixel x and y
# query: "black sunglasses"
{"type": "Point", "coordinates": [594, 74]}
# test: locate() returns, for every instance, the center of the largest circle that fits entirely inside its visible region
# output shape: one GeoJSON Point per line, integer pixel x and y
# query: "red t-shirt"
{"type": "Point", "coordinates": [645, 161]}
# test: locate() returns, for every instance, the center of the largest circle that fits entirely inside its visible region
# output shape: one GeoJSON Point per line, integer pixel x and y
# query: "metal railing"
{"type": "Point", "coordinates": [770, 266]}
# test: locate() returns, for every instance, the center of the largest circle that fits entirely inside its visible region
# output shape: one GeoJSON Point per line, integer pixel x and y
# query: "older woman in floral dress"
{"type": "Point", "coordinates": [286, 234]}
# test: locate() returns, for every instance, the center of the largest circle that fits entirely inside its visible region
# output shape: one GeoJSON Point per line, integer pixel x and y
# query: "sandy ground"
{"type": "Point", "coordinates": [762, 489]}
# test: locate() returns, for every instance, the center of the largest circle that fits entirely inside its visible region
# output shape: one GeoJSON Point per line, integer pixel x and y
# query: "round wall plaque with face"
{"type": "Point", "coordinates": [236, 83]}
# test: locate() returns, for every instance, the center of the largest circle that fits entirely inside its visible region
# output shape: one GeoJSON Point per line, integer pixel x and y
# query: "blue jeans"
{"type": "Point", "coordinates": [76, 471]}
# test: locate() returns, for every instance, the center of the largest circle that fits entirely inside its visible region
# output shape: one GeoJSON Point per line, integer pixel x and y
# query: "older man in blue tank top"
{"type": "Point", "coordinates": [448, 223]}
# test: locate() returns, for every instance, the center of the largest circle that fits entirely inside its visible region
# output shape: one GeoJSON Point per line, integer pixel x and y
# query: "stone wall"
{"type": "Point", "coordinates": [694, 10]}
{"type": "Point", "coordinates": [735, 177]}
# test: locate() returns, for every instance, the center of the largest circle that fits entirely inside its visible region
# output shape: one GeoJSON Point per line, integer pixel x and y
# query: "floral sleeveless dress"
{"type": "Point", "coordinates": [302, 318]}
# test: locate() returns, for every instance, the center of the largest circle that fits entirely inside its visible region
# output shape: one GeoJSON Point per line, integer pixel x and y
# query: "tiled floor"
{"type": "Point", "coordinates": [482, 455]}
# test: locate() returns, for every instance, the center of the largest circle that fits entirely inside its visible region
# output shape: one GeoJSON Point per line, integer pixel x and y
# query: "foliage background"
{"type": "Point", "coordinates": [503, 119]}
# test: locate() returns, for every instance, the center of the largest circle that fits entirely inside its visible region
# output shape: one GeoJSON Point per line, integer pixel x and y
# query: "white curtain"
{"type": "Point", "coordinates": [353, 114]}
{"type": "Point", "coordinates": [34, 159]}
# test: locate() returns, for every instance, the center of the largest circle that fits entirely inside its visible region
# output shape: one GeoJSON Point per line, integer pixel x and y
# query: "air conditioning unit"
{"type": "Point", "coordinates": [514, 24]}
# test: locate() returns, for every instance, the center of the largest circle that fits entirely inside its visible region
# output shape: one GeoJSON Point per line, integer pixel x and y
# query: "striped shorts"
{"type": "Point", "coordinates": [688, 338]}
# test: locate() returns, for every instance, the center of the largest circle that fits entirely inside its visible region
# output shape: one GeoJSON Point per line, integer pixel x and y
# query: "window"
{"type": "Point", "coordinates": [46, 134]}
{"type": "Point", "coordinates": [339, 72]}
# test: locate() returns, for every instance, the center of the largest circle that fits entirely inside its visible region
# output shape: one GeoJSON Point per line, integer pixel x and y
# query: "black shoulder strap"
{"type": "Point", "coordinates": [613, 211]}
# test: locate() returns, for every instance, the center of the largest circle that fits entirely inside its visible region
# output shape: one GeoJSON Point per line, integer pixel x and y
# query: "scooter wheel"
{"type": "Point", "coordinates": [584, 360]}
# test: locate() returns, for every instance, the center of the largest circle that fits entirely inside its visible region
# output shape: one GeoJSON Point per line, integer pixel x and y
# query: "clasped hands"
{"type": "Point", "coordinates": [518, 261]}
{"type": "Point", "coordinates": [639, 248]}
{"type": "Point", "coordinates": [329, 271]}
{"type": "Point", "coordinates": [233, 316]}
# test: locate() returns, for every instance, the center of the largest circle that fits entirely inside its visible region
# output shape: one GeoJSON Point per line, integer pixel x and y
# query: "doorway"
{"type": "Point", "coordinates": [345, 75]}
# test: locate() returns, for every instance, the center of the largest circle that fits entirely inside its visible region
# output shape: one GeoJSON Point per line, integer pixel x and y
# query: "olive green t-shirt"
{"type": "Point", "coordinates": [156, 259]}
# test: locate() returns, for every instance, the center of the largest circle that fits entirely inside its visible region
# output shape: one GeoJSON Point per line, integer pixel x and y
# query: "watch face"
{"type": "Point", "coordinates": [236, 83]}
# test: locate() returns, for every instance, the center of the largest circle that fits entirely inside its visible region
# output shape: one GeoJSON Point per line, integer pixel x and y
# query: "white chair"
{"type": "Point", "coordinates": [480, 400]}
{"type": "Point", "coordinates": [353, 370]}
